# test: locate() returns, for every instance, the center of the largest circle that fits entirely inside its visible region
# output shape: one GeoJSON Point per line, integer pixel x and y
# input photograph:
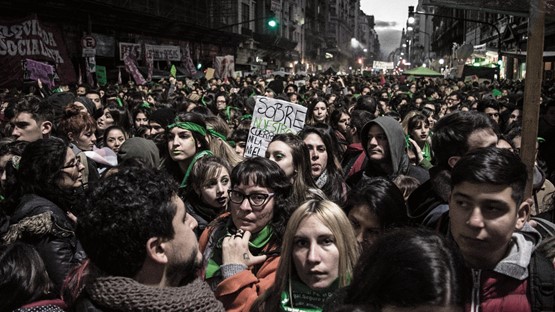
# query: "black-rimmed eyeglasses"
{"type": "Point", "coordinates": [255, 199]}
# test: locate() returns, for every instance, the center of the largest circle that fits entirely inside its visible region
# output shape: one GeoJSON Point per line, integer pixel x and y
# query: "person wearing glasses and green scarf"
{"type": "Point", "coordinates": [242, 247]}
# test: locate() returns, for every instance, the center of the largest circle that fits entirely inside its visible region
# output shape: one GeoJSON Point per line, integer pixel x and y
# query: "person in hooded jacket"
{"type": "Point", "coordinates": [383, 141]}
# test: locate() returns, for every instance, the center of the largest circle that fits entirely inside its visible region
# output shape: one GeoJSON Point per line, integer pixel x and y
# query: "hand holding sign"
{"type": "Point", "coordinates": [270, 117]}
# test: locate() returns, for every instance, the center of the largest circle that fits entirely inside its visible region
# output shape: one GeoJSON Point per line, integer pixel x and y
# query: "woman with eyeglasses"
{"type": "Point", "coordinates": [42, 205]}
{"type": "Point", "coordinates": [241, 248]}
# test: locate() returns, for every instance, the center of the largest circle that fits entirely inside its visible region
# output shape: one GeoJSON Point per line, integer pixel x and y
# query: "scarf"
{"type": "Point", "coordinates": [259, 241]}
{"type": "Point", "coordinates": [125, 294]}
{"type": "Point", "coordinates": [300, 298]}
{"type": "Point", "coordinates": [427, 151]}
{"type": "Point", "coordinates": [322, 179]}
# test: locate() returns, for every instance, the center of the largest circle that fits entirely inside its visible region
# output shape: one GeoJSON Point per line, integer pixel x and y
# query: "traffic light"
{"type": "Point", "coordinates": [272, 21]}
{"type": "Point", "coordinates": [411, 15]}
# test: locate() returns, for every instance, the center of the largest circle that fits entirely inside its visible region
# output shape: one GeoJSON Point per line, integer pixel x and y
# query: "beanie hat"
{"type": "Point", "coordinates": [89, 105]}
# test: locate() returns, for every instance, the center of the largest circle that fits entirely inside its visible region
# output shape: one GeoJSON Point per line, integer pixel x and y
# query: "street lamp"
{"type": "Point", "coordinates": [411, 14]}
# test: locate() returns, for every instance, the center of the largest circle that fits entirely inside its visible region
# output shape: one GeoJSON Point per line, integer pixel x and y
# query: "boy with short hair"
{"type": "Point", "coordinates": [488, 214]}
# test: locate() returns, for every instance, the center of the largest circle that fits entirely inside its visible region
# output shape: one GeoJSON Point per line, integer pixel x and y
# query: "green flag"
{"type": "Point", "coordinates": [173, 71]}
{"type": "Point", "coordinates": [101, 75]}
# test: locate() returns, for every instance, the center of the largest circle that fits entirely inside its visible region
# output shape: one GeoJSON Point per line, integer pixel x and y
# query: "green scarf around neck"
{"type": "Point", "coordinates": [258, 241]}
{"type": "Point", "coordinates": [301, 298]}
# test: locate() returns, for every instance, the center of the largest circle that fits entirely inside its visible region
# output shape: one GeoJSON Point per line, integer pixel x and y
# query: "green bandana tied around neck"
{"type": "Point", "coordinates": [259, 241]}
{"type": "Point", "coordinates": [246, 116]}
{"type": "Point", "coordinates": [145, 105]}
{"type": "Point", "coordinates": [304, 298]}
{"type": "Point", "coordinates": [191, 126]}
{"type": "Point", "coordinates": [188, 172]}
{"type": "Point", "coordinates": [427, 152]}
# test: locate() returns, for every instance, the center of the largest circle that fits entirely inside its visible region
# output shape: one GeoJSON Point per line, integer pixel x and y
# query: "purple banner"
{"type": "Point", "coordinates": [187, 62]}
{"type": "Point", "coordinates": [132, 69]}
{"type": "Point", "coordinates": [42, 71]}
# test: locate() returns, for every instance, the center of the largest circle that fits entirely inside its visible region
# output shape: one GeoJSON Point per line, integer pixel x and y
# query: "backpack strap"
{"type": "Point", "coordinates": [545, 227]}
{"type": "Point", "coordinates": [541, 285]}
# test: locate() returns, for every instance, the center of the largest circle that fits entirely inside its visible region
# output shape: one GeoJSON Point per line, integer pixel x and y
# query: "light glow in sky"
{"type": "Point", "coordinates": [390, 18]}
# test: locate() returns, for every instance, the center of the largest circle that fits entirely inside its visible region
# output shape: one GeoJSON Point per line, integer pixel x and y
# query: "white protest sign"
{"type": "Point", "coordinates": [133, 49]}
{"type": "Point", "coordinates": [271, 117]}
{"type": "Point", "coordinates": [164, 52]}
{"type": "Point", "coordinates": [382, 65]}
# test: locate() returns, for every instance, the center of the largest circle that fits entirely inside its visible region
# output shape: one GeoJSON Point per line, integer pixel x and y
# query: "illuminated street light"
{"type": "Point", "coordinates": [441, 61]}
{"type": "Point", "coordinates": [411, 15]}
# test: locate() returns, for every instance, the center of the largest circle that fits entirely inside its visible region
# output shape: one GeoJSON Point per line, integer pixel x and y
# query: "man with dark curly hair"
{"type": "Point", "coordinates": [140, 239]}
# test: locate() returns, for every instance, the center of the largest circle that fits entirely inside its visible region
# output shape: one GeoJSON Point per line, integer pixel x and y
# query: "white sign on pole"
{"type": "Point", "coordinates": [133, 49]}
{"type": "Point", "coordinates": [89, 52]}
{"type": "Point", "coordinates": [271, 117]}
{"type": "Point", "coordinates": [163, 52]}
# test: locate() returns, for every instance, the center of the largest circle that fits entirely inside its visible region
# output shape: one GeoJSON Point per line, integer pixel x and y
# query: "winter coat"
{"type": "Point", "coordinates": [239, 291]}
{"type": "Point", "coordinates": [504, 288]}
{"type": "Point", "coordinates": [42, 224]}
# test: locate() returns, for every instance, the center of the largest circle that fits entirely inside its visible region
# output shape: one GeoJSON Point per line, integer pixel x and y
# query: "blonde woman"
{"type": "Point", "coordinates": [318, 254]}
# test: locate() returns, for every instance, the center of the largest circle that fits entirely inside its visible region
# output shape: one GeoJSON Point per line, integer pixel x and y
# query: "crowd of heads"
{"type": "Point", "coordinates": [153, 182]}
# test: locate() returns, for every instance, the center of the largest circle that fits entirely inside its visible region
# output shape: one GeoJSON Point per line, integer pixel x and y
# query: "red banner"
{"type": "Point", "coordinates": [28, 38]}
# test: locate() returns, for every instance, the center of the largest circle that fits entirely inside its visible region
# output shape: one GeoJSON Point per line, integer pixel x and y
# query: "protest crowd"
{"type": "Point", "coordinates": [321, 192]}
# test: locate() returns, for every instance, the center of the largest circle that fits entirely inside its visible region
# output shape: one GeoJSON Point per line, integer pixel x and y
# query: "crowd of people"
{"type": "Point", "coordinates": [397, 195]}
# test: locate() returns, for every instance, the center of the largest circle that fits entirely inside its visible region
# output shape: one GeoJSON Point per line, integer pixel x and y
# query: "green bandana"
{"type": "Point", "coordinates": [145, 105]}
{"type": "Point", "coordinates": [188, 172]}
{"type": "Point", "coordinates": [304, 298]}
{"type": "Point", "coordinates": [259, 241]}
{"type": "Point", "coordinates": [246, 116]}
{"type": "Point", "coordinates": [191, 126]}
{"type": "Point", "coordinates": [120, 103]}
{"type": "Point", "coordinates": [217, 134]}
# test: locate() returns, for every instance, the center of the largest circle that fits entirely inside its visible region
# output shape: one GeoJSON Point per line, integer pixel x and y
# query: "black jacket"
{"type": "Point", "coordinates": [42, 224]}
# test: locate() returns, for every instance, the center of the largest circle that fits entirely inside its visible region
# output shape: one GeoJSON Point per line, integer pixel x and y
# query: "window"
{"type": "Point", "coordinates": [245, 13]}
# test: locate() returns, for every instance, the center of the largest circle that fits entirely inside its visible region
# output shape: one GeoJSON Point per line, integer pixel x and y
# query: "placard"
{"type": "Point", "coordinates": [271, 117]}
{"type": "Point", "coordinates": [38, 70]}
{"type": "Point", "coordinates": [164, 52]}
{"type": "Point", "coordinates": [133, 49]}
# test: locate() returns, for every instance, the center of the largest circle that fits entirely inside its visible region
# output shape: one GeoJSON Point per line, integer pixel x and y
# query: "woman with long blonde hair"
{"type": "Point", "coordinates": [318, 254]}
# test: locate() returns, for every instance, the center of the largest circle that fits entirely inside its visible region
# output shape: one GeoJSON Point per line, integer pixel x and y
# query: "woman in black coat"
{"type": "Point", "coordinates": [40, 208]}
